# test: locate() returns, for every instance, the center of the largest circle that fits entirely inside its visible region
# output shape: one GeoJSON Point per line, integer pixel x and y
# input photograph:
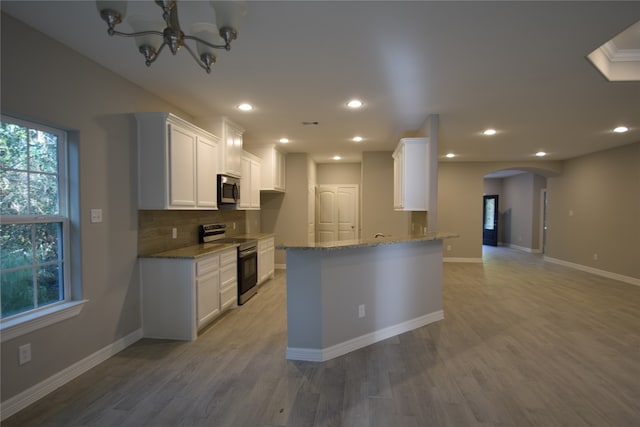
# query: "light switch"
{"type": "Point", "coordinates": [96, 215]}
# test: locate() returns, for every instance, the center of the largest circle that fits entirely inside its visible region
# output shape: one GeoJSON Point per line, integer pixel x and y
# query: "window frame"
{"type": "Point", "coordinates": [21, 323]}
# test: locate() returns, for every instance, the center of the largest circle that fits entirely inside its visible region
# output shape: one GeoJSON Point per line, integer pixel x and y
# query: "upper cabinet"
{"type": "Point", "coordinates": [177, 164]}
{"type": "Point", "coordinates": [411, 167]}
{"type": "Point", "coordinates": [273, 168]}
{"type": "Point", "coordinates": [231, 147]}
{"type": "Point", "coordinates": [250, 182]}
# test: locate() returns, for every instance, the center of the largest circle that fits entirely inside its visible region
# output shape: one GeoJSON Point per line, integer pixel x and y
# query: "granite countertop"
{"type": "Point", "coordinates": [204, 249]}
{"type": "Point", "coordinates": [361, 243]}
{"type": "Point", "coordinates": [194, 251]}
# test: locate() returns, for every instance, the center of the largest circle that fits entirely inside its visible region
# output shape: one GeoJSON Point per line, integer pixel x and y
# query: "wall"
{"type": "Point", "coordinates": [338, 173]}
{"type": "Point", "coordinates": [286, 214]}
{"type": "Point", "coordinates": [59, 87]}
{"type": "Point", "coordinates": [378, 215]}
{"type": "Point", "coordinates": [594, 208]}
{"type": "Point", "coordinates": [460, 190]}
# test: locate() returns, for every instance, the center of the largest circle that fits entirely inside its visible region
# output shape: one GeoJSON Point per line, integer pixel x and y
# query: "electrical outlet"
{"type": "Point", "coordinates": [361, 312]}
{"type": "Point", "coordinates": [24, 354]}
{"type": "Point", "coordinates": [174, 233]}
{"type": "Point", "coordinates": [96, 215]}
{"type": "Point", "coordinates": [595, 257]}
{"type": "Point", "coordinates": [234, 225]}
{"type": "Point", "coordinates": [448, 247]}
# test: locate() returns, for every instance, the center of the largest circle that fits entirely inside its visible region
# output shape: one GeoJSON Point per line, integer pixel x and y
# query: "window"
{"type": "Point", "coordinates": [34, 220]}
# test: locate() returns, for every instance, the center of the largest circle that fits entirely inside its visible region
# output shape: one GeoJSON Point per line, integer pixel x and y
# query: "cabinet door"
{"type": "Point", "coordinates": [207, 161]}
{"type": "Point", "coordinates": [279, 173]}
{"type": "Point", "coordinates": [245, 184]}
{"type": "Point", "coordinates": [232, 150]}
{"type": "Point", "coordinates": [266, 253]}
{"type": "Point", "coordinates": [208, 297]}
{"type": "Point", "coordinates": [182, 166]}
{"type": "Point", "coordinates": [255, 185]}
{"type": "Point", "coordinates": [398, 176]}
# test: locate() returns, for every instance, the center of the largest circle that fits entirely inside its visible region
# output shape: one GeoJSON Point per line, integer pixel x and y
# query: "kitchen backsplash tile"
{"type": "Point", "coordinates": [155, 227]}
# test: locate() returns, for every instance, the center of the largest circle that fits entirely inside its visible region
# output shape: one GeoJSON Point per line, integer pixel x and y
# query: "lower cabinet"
{"type": "Point", "coordinates": [266, 261]}
{"type": "Point", "coordinates": [182, 295]}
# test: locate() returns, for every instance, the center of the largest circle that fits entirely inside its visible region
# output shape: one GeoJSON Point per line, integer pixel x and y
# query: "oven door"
{"type": "Point", "coordinates": [247, 276]}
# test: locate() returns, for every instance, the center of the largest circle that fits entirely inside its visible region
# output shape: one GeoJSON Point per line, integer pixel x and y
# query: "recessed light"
{"type": "Point", "coordinates": [356, 139]}
{"type": "Point", "coordinates": [541, 154]}
{"type": "Point", "coordinates": [354, 103]}
{"type": "Point", "coordinates": [450, 156]}
{"type": "Point", "coordinates": [337, 157]}
{"type": "Point", "coordinates": [245, 107]}
{"type": "Point", "coordinates": [284, 140]}
{"type": "Point", "coordinates": [490, 132]}
{"type": "Point", "coordinates": [621, 129]}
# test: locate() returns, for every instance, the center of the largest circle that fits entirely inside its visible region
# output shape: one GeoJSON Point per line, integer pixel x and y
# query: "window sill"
{"type": "Point", "coordinates": [31, 322]}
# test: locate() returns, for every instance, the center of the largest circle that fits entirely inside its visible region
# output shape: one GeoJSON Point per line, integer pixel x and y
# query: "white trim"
{"type": "Point", "coordinates": [322, 355]}
{"type": "Point", "coordinates": [40, 390]}
{"type": "Point", "coordinates": [22, 325]}
{"type": "Point", "coordinates": [596, 271]}
{"type": "Point", "coordinates": [280, 266]}
{"type": "Point", "coordinates": [523, 248]}
{"type": "Point", "coordinates": [455, 259]}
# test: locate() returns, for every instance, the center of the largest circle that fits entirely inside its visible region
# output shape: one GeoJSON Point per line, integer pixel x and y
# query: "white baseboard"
{"type": "Point", "coordinates": [321, 355]}
{"type": "Point", "coordinates": [525, 249]}
{"type": "Point", "coordinates": [280, 266]}
{"type": "Point", "coordinates": [40, 390]}
{"type": "Point", "coordinates": [596, 271]}
{"type": "Point", "coordinates": [454, 259]}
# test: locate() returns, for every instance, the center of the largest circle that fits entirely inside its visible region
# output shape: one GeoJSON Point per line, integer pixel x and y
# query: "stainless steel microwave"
{"type": "Point", "coordinates": [228, 190]}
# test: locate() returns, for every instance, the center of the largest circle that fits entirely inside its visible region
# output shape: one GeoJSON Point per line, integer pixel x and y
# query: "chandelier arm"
{"type": "Point", "coordinates": [211, 45]}
{"type": "Point", "coordinates": [157, 53]}
{"type": "Point", "coordinates": [140, 33]}
{"type": "Point", "coordinates": [195, 58]}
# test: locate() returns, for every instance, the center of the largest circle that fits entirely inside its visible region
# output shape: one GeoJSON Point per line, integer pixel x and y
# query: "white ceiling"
{"type": "Point", "coordinates": [518, 67]}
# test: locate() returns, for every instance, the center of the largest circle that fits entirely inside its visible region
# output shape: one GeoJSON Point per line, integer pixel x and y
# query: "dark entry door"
{"type": "Point", "coordinates": [490, 221]}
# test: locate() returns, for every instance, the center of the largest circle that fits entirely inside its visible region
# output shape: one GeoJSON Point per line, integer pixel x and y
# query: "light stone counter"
{"type": "Point", "coordinates": [361, 243]}
{"type": "Point", "coordinates": [194, 251]}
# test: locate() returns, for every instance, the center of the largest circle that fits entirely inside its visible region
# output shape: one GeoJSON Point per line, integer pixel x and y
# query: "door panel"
{"type": "Point", "coordinates": [490, 216]}
{"type": "Point", "coordinates": [337, 212]}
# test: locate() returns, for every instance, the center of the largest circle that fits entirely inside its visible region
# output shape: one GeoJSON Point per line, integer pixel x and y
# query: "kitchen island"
{"type": "Point", "coordinates": [342, 296]}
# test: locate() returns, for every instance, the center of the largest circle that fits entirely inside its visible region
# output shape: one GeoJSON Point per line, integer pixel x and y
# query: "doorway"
{"type": "Point", "coordinates": [490, 214]}
{"type": "Point", "coordinates": [337, 212]}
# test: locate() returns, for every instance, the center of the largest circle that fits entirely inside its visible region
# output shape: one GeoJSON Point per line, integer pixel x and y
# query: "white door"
{"type": "Point", "coordinates": [311, 212]}
{"type": "Point", "coordinates": [337, 212]}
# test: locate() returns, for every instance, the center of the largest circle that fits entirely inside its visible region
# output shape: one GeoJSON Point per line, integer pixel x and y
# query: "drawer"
{"type": "Point", "coordinates": [265, 244]}
{"type": "Point", "coordinates": [228, 296]}
{"type": "Point", "coordinates": [228, 257]}
{"type": "Point", "coordinates": [228, 274]}
{"type": "Point", "coordinates": [207, 265]}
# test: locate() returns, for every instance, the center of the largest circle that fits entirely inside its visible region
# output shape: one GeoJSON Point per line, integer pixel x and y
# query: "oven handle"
{"type": "Point", "coordinates": [247, 253]}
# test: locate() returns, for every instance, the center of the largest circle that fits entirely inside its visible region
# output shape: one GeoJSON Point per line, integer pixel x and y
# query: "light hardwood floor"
{"type": "Point", "coordinates": [523, 343]}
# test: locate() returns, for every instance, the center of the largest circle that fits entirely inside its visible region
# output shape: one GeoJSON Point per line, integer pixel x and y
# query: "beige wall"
{"type": "Point", "coordinates": [378, 215]}
{"type": "Point", "coordinates": [460, 190]}
{"type": "Point", "coordinates": [286, 214]}
{"type": "Point", "coordinates": [338, 173]}
{"type": "Point", "coordinates": [602, 191]}
{"type": "Point", "coordinates": [59, 87]}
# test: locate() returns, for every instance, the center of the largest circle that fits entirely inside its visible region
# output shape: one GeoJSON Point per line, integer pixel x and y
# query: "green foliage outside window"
{"type": "Point", "coordinates": [31, 233]}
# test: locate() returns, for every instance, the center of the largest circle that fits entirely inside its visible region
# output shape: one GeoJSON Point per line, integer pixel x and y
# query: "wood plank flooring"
{"type": "Point", "coordinates": [523, 343]}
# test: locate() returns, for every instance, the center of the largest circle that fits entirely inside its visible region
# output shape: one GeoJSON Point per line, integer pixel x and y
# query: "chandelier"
{"type": "Point", "coordinates": [207, 36]}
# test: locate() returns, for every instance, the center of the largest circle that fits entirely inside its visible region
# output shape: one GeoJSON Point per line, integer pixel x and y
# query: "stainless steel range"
{"type": "Point", "coordinates": [247, 257]}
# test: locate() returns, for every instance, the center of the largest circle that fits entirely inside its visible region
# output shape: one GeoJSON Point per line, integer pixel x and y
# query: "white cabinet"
{"type": "Point", "coordinates": [177, 164]}
{"type": "Point", "coordinates": [250, 182]}
{"type": "Point", "coordinates": [182, 295]}
{"type": "Point", "coordinates": [229, 278]}
{"type": "Point", "coordinates": [273, 168]}
{"type": "Point", "coordinates": [207, 289]}
{"type": "Point", "coordinates": [266, 260]}
{"type": "Point", "coordinates": [411, 167]}
{"type": "Point", "coordinates": [230, 154]}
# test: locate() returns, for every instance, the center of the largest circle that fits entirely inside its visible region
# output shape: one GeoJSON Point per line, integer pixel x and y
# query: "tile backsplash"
{"type": "Point", "coordinates": [155, 227]}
